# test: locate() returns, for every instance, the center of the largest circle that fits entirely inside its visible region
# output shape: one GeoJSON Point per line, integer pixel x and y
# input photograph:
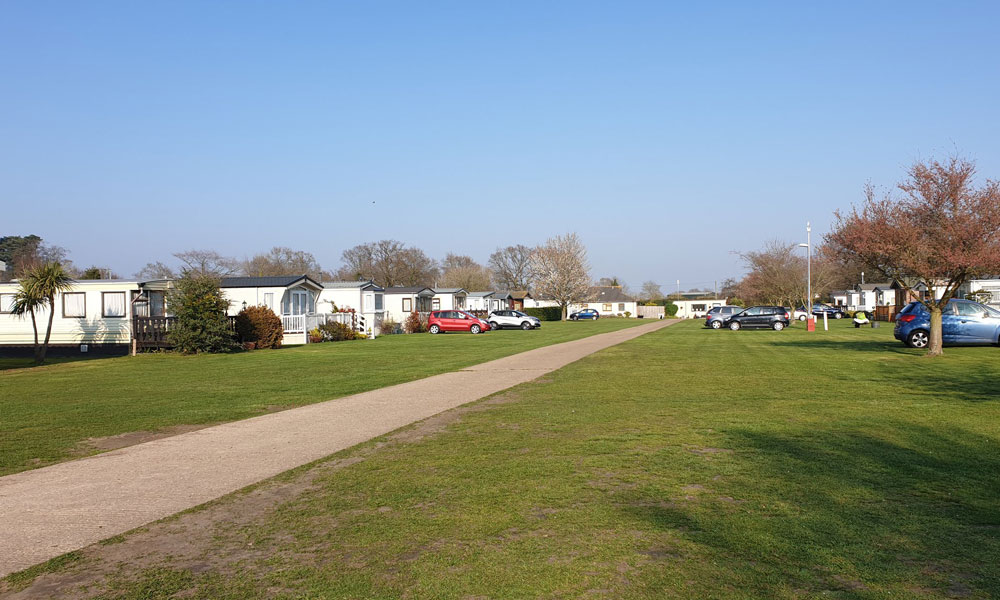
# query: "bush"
{"type": "Point", "coordinates": [202, 324]}
{"type": "Point", "coordinates": [259, 327]}
{"type": "Point", "coordinates": [547, 313]}
{"type": "Point", "coordinates": [414, 324]}
{"type": "Point", "coordinates": [389, 327]}
{"type": "Point", "coordinates": [671, 309]}
{"type": "Point", "coordinates": [316, 336]}
{"type": "Point", "coordinates": [628, 314]}
{"type": "Point", "coordinates": [337, 332]}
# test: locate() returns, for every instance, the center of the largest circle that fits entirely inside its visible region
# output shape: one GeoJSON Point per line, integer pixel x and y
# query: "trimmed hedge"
{"type": "Point", "coordinates": [547, 313]}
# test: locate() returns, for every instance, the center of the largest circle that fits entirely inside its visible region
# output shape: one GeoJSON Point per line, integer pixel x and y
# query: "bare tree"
{"type": "Point", "coordinates": [512, 267]}
{"type": "Point", "coordinates": [777, 275]}
{"type": "Point", "coordinates": [650, 291]}
{"type": "Point", "coordinates": [206, 263]}
{"type": "Point", "coordinates": [388, 263]}
{"type": "Point", "coordinates": [561, 270]}
{"type": "Point", "coordinates": [459, 271]}
{"type": "Point", "coordinates": [283, 261]}
{"type": "Point", "coordinates": [943, 231]}
{"type": "Point", "coordinates": [155, 270]}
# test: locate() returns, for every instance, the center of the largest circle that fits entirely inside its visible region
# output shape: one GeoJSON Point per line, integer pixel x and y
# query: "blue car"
{"type": "Point", "coordinates": [587, 313]}
{"type": "Point", "coordinates": [962, 322]}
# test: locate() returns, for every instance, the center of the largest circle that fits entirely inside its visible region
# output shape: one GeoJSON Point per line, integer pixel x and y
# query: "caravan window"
{"type": "Point", "coordinates": [407, 305]}
{"type": "Point", "coordinates": [113, 304]}
{"type": "Point", "coordinates": [74, 305]}
{"type": "Point", "coordinates": [379, 301]}
{"type": "Point", "coordinates": [6, 303]}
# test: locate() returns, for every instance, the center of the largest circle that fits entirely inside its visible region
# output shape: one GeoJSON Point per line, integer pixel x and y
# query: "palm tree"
{"type": "Point", "coordinates": [38, 289]}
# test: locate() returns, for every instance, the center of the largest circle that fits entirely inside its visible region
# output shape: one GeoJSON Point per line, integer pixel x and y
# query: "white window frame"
{"type": "Point", "coordinates": [6, 306]}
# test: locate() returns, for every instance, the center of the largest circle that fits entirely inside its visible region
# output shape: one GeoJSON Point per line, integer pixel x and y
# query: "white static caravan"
{"type": "Point", "coordinates": [91, 316]}
{"type": "Point", "coordinates": [292, 297]}
{"type": "Point", "coordinates": [485, 301]}
{"type": "Point", "coordinates": [696, 309]}
{"type": "Point", "coordinates": [365, 298]}
{"type": "Point", "coordinates": [401, 301]}
{"type": "Point", "coordinates": [449, 299]}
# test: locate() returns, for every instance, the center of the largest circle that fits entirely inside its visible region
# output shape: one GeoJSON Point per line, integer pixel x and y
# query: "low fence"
{"type": "Point", "coordinates": [885, 313]}
{"type": "Point", "coordinates": [650, 312]}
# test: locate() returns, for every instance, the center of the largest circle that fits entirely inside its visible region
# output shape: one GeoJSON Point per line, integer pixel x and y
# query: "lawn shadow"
{"type": "Point", "coordinates": [909, 509]}
{"type": "Point", "coordinates": [892, 346]}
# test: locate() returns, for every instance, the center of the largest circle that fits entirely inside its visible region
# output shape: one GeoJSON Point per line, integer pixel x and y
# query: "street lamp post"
{"type": "Point", "coordinates": [808, 247]}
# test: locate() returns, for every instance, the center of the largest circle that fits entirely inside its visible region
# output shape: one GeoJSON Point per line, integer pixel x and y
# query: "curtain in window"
{"type": "Point", "coordinates": [6, 302]}
{"type": "Point", "coordinates": [75, 304]}
{"type": "Point", "coordinates": [114, 304]}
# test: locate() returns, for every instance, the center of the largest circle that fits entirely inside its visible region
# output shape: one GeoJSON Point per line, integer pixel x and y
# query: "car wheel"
{"type": "Point", "coordinates": [838, 316]}
{"type": "Point", "coordinates": [778, 326]}
{"type": "Point", "coordinates": [716, 325]}
{"type": "Point", "coordinates": [475, 329]}
{"type": "Point", "coordinates": [435, 329]}
{"type": "Point", "coordinates": [734, 325]}
{"type": "Point", "coordinates": [918, 339]}
{"type": "Point", "coordinates": [526, 326]}
{"type": "Point", "coordinates": [802, 318]}
{"type": "Point", "coordinates": [494, 326]}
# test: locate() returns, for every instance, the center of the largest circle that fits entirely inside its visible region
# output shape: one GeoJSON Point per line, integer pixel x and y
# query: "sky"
{"type": "Point", "coordinates": [670, 136]}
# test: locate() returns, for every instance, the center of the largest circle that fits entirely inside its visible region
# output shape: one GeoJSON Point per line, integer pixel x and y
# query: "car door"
{"type": "Point", "coordinates": [752, 316]}
{"type": "Point", "coordinates": [448, 322]}
{"type": "Point", "coordinates": [950, 329]}
{"type": "Point", "coordinates": [975, 324]}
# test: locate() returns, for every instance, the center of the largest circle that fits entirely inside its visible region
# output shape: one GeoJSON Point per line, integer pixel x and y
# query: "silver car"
{"type": "Point", "coordinates": [499, 319]}
{"type": "Point", "coordinates": [718, 315]}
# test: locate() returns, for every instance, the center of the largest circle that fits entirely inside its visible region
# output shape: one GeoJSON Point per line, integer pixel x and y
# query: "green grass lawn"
{"type": "Point", "coordinates": [687, 463]}
{"type": "Point", "coordinates": [46, 412]}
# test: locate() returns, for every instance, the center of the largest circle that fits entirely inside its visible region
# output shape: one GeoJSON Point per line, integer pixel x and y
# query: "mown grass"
{"type": "Point", "coordinates": [46, 412]}
{"type": "Point", "coordinates": [684, 464]}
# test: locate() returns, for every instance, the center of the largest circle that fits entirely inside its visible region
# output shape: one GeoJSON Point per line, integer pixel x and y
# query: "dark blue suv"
{"type": "Point", "coordinates": [962, 322]}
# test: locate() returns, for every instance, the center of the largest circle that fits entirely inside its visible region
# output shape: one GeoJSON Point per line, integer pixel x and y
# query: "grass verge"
{"type": "Point", "coordinates": [49, 413]}
{"type": "Point", "coordinates": [686, 463]}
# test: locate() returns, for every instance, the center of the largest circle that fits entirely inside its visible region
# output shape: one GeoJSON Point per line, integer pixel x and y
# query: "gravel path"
{"type": "Point", "coordinates": [50, 511]}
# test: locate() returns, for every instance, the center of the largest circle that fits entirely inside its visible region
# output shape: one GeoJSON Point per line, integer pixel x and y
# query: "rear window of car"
{"type": "Point", "coordinates": [912, 306]}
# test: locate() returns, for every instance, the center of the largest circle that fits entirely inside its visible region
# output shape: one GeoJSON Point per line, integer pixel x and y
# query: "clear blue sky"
{"type": "Point", "coordinates": [665, 134]}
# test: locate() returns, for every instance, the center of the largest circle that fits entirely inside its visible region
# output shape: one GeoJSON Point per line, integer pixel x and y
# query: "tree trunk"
{"type": "Point", "coordinates": [563, 306]}
{"type": "Point", "coordinates": [934, 344]}
{"type": "Point", "coordinates": [34, 327]}
{"type": "Point", "coordinates": [48, 331]}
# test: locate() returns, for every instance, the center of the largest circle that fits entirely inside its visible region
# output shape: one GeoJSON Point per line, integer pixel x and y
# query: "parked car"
{"type": "Point", "coordinates": [587, 313]}
{"type": "Point", "coordinates": [832, 312]}
{"type": "Point", "coordinates": [499, 319]}
{"type": "Point", "coordinates": [718, 315]}
{"type": "Point", "coordinates": [455, 320]}
{"type": "Point", "coordinates": [775, 317]}
{"type": "Point", "coordinates": [962, 322]}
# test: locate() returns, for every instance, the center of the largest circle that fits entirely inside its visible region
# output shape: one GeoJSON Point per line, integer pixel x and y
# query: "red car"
{"type": "Point", "coordinates": [455, 320]}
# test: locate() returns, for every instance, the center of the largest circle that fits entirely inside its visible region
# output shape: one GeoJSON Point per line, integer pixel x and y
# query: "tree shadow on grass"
{"type": "Point", "coordinates": [973, 385]}
{"type": "Point", "coordinates": [910, 510]}
{"type": "Point", "coordinates": [890, 346]}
